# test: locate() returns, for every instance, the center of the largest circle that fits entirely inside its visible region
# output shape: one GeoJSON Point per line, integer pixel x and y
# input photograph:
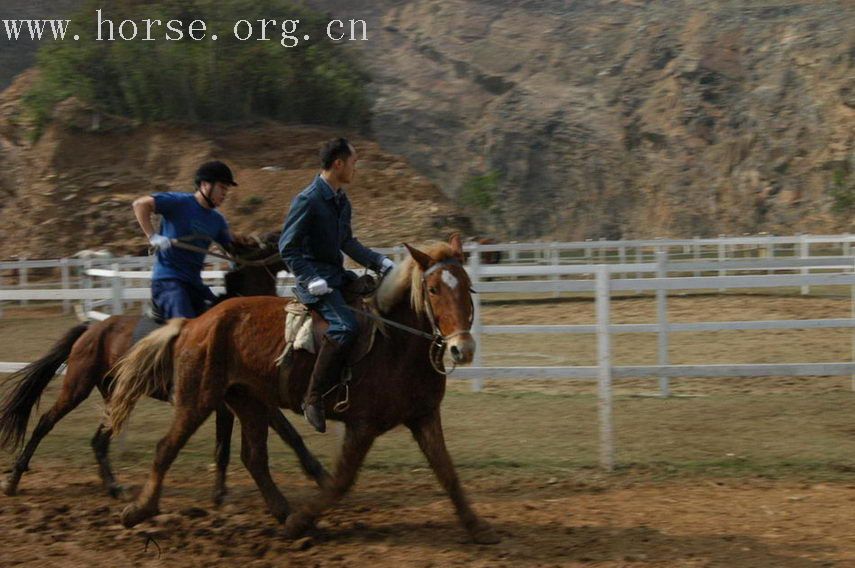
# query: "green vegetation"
{"type": "Point", "coordinates": [250, 205]}
{"type": "Point", "coordinates": [480, 191]}
{"type": "Point", "coordinates": [842, 192]}
{"type": "Point", "coordinates": [316, 82]}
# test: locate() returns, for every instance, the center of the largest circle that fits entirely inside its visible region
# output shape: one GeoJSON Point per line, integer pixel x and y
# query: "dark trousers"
{"type": "Point", "coordinates": [179, 299]}
{"type": "Point", "coordinates": [343, 325]}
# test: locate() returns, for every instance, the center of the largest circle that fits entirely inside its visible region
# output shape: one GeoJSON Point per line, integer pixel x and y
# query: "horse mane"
{"type": "Point", "coordinates": [408, 276]}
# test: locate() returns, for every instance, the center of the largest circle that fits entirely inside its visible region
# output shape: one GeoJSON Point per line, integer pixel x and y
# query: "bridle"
{"type": "Point", "coordinates": [438, 341]}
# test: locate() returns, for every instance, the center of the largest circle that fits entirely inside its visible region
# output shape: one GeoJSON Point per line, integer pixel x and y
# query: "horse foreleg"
{"type": "Point", "coordinates": [222, 453]}
{"type": "Point", "coordinates": [101, 447]}
{"type": "Point", "coordinates": [74, 391]}
{"type": "Point", "coordinates": [254, 421]}
{"type": "Point", "coordinates": [186, 421]}
{"type": "Point", "coordinates": [357, 442]}
{"type": "Point", "coordinates": [310, 464]}
{"type": "Point", "coordinates": [428, 434]}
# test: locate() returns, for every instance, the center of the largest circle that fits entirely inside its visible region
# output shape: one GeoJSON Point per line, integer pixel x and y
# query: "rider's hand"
{"type": "Point", "coordinates": [386, 266]}
{"type": "Point", "coordinates": [319, 287]}
{"type": "Point", "coordinates": [160, 242]}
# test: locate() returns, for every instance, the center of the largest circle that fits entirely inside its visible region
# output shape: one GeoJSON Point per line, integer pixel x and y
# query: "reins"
{"type": "Point", "coordinates": [224, 254]}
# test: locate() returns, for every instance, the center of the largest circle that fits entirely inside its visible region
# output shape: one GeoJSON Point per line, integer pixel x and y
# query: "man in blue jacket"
{"type": "Point", "coordinates": [177, 289]}
{"type": "Point", "coordinates": [317, 230]}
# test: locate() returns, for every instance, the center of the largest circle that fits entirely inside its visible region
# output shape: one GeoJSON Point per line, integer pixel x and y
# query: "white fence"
{"type": "Point", "coordinates": [555, 277]}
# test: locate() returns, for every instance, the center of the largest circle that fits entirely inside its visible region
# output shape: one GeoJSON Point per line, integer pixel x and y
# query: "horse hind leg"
{"type": "Point", "coordinates": [428, 433]}
{"type": "Point", "coordinates": [254, 419]}
{"type": "Point", "coordinates": [222, 452]}
{"type": "Point", "coordinates": [185, 422]}
{"type": "Point", "coordinates": [357, 442]}
{"type": "Point", "coordinates": [101, 446]}
{"type": "Point", "coordinates": [76, 387]}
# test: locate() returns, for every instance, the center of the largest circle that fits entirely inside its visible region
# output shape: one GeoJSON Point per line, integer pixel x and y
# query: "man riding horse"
{"type": "Point", "coordinates": [177, 289]}
{"type": "Point", "coordinates": [316, 231]}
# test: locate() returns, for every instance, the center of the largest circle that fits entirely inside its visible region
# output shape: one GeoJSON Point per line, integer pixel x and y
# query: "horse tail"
{"type": "Point", "coordinates": [146, 369]}
{"type": "Point", "coordinates": [28, 384]}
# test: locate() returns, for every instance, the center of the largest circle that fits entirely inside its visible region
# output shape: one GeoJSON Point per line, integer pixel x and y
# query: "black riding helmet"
{"type": "Point", "coordinates": [214, 171]}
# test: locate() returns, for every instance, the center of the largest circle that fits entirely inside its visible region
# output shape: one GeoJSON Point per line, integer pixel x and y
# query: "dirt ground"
{"type": "Point", "coordinates": [737, 473]}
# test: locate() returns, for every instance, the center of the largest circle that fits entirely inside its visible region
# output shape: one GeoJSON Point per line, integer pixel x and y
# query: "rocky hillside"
{"type": "Point", "coordinates": [73, 188]}
{"type": "Point", "coordinates": [614, 118]}
{"type": "Point", "coordinates": [624, 118]}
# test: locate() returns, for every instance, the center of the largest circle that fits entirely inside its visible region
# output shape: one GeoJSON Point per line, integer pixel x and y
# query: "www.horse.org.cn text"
{"type": "Point", "coordinates": [287, 32]}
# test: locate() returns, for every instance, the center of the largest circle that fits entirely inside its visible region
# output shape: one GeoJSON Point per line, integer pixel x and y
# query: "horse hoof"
{"type": "Point", "coordinates": [117, 491]}
{"type": "Point", "coordinates": [297, 524]}
{"type": "Point", "coordinates": [217, 498]}
{"type": "Point", "coordinates": [9, 487]}
{"type": "Point", "coordinates": [134, 515]}
{"type": "Point", "coordinates": [483, 533]}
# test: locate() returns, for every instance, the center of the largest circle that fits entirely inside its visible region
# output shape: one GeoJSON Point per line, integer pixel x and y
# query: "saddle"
{"type": "Point", "coordinates": [150, 321]}
{"type": "Point", "coordinates": [305, 327]}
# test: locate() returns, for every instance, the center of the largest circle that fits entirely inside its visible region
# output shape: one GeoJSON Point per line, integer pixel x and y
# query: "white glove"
{"type": "Point", "coordinates": [386, 266]}
{"type": "Point", "coordinates": [319, 287]}
{"type": "Point", "coordinates": [160, 242]}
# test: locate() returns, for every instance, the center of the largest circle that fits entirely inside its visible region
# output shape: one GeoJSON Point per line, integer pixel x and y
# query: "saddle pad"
{"type": "Point", "coordinates": [145, 326]}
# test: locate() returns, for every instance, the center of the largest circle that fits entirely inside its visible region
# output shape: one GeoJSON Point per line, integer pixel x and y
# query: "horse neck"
{"type": "Point", "coordinates": [402, 312]}
{"type": "Point", "coordinates": [250, 281]}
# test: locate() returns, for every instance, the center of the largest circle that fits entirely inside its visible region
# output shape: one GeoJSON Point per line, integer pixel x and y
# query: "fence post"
{"type": "Point", "coordinates": [116, 284]}
{"type": "Point", "coordinates": [662, 320]}
{"type": "Point", "coordinates": [64, 277]}
{"type": "Point", "coordinates": [554, 261]}
{"type": "Point", "coordinates": [696, 252]}
{"type": "Point", "coordinates": [23, 280]}
{"type": "Point", "coordinates": [770, 252]}
{"type": "Point", "coordinates": [622, 257]}
{"type": "Point", "coordinates": [804, 252]}
{"type": "Point", "coordinates": [722, 255]}
{"type": "Point", "coordinates": [604, 376]}
{"type": "Point", "coordinates": [474, 270]}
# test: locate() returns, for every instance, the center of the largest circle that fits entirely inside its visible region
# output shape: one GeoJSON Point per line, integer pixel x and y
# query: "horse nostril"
{"type": "Point", "coordinates": [455, 352]}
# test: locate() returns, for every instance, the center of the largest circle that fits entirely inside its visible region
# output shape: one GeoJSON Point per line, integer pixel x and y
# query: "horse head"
{"type": "Point", "coordinates": [258, 261]}
{"type": "Point", "coordinates": [442, 290]}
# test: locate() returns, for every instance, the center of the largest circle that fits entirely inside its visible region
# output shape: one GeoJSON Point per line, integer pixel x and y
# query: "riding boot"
{"type": "Point", "coordinates": [325, 375]}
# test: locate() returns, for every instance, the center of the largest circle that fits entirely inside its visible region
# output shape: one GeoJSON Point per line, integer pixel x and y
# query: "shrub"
{"type": "Point", "coordinates": [317, 82]}
{"type": "Point", "coordinates": [480, 191]}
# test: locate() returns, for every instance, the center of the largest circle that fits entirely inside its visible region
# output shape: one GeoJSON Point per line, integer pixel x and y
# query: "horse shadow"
{"type": "Point", "coordinates": [535, 544]}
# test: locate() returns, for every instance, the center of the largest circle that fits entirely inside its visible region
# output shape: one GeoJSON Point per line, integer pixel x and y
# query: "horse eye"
{"type": "Point", "coordinates": [433, 290]}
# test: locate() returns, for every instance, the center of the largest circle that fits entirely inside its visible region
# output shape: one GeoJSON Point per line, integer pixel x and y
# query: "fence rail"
{"type": "Point", "coordinates": [555, 276]}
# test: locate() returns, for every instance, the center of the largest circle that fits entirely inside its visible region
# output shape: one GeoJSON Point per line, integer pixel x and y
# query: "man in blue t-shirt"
{"type": "Point", "coordinates": [177, 289]}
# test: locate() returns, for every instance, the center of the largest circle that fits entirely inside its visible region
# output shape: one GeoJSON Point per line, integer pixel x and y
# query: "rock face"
{"type": "Point", "coordinates": [618, 118]}
{"type": "Point", "coordinates": [623, 118]}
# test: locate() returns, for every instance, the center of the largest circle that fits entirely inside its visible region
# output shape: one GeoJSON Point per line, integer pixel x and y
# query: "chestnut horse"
{"type": "Point", "coordinates": [228, 354]}
{"type": "Point", "coordinates": [91, 352]}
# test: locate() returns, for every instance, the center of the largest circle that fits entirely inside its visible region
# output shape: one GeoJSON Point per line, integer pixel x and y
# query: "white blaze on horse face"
{"type": "Point", "coordinates": [449, 279]}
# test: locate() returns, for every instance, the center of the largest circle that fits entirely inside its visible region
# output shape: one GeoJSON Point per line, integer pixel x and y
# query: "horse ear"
{"type": "Point", "coordinates": [456, 246]}
{"type": "Point", "coordinates": [421, 258]}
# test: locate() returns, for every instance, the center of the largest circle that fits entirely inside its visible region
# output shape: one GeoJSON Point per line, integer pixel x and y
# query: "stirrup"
{"type": "Point", "coordinates": [342, 405]}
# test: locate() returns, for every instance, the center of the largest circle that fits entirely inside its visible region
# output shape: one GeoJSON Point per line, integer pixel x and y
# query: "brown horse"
{"type": "Point", "coordinates": [91, 352]}
{"type": "Point", "coordinates": [227, 356]}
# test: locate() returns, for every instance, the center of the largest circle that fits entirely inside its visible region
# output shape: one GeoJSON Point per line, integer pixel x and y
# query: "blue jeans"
{"type": "Point", "coordinates": [343, 325]}
{"type": "Point", "coordinates": [179, 299]}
